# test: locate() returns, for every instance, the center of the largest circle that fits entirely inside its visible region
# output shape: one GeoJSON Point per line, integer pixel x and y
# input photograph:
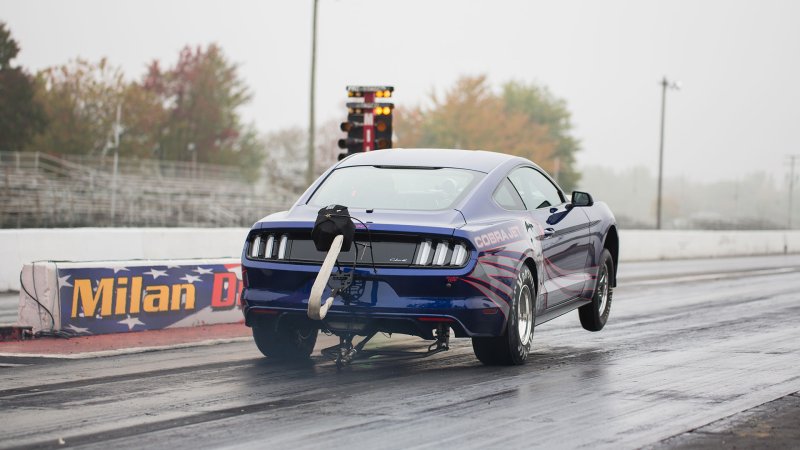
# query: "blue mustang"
{"type": "Point", "coordinates": [481, 243]}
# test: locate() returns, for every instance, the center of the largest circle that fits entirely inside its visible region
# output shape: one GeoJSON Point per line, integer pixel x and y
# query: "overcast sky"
{"type": "Point", "coordinates": [738, 61]}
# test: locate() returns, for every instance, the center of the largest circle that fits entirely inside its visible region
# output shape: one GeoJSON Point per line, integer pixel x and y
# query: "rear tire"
{"type": "Point", "coordinates": [291, 340]}
{"type": "Point", "coordinates": [513, 346]}
{"type": "Point", "coordinates": [595, 315]}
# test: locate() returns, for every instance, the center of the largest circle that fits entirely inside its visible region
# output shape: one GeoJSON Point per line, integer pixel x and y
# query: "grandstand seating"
{"type": "Point", "coordinates": [45, 190]}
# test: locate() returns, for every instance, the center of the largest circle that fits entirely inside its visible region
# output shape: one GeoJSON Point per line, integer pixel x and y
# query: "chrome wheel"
{"type": "Point", "coordinates": [602, 291]}
{"type": "Point", "coordinates": [595, 313]}
{"type": "Point", "coordinates": [525, 315]}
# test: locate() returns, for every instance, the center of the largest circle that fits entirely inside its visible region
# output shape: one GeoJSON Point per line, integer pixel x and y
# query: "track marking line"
{"type": "Point", "coordinates": [709, 276]}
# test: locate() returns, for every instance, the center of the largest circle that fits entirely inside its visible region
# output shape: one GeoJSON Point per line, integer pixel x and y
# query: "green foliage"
{"type": "Point", "coordinates": [188, 112]}
{"type": "Point", "coordinates": [202, 94]}
{"type": "Point", "coordinates": [523, 120]}
{"type": "Point", "coordinates": [9, 49]}
{"type": "Point", "coordinates": [21, 116]}
{"type": "Point", "coordinates": [80, 99]}
{"type": "Point", "coordinates": [542, 107]}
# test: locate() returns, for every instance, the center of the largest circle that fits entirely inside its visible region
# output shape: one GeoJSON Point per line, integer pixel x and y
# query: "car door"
{"type": "Point", "coordinates": [564, 234]}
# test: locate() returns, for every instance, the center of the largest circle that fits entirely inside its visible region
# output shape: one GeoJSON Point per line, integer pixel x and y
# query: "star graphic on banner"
{"type": "Point", "coordinates": [131, 322]}
{"type": "Point", "coordinates": [155, 273]}
{"type": "Point", "coordinates": [77, 330]}
{"type": "Point", "coordinates": [202, 271]}
{"type": "Point", "coordinates": [173, 267]}
{"type": "Point", "coordinates": [190, 278]}
{"type": "Point", "coordinates": [120, 269]}
{"type": "Point", "coordinates": [64, 281]}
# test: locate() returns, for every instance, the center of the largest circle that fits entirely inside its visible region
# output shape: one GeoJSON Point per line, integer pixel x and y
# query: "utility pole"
{"type": "Point", "coordinates": [117, 130]}
{"type": "Point", "coordinates": [311, 125]}
{"type": "Point", "coordinates": [664, 85]}
{"type": "Point", "coordinates": [792, 160]}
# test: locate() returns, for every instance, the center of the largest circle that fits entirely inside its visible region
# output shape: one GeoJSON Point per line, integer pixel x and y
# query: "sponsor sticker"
{"type": "Point", "coordinates": [497, 237]}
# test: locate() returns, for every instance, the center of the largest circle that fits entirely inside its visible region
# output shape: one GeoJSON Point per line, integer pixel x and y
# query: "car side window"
{"type": "Point", "coordinates": [507, 196]}
{"type": "Point", "coordinates": [536, 190]}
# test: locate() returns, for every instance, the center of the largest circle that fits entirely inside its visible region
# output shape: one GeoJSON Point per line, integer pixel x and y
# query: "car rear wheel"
{"type": "Point", "coordinates": [290, 340]}
{"type": "Point", "coordinates": [595, 314]}
{"type": "Point", "coordinates": [513, 346]}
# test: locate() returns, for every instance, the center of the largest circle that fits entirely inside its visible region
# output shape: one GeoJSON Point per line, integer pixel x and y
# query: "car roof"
{"type": "Point", "coordinates": [478, 160]}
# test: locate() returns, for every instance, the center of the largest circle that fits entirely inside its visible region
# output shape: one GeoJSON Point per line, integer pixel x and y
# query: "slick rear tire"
{"type": "Point", "coordinates": [512, 348]}
{"type": "Point", "coordinates": [291, 340]}
{"type": "Point", "coordinates": [595, 314]}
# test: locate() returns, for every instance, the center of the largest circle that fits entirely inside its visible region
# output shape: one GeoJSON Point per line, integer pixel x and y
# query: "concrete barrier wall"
{"type": "Point", "coordinates": [645, 245]}
{"type": "Point", "coordinates": [18, 247]}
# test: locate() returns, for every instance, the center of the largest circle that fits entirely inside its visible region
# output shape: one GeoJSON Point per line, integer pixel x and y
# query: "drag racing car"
{"type": "Point", "coordinates": [428, 242]}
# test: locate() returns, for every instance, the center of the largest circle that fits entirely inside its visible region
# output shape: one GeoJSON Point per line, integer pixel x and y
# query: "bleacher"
{"type": "Point", "coordinates": [45, 190]}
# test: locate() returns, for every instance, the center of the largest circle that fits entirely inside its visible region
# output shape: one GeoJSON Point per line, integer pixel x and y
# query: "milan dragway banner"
{"type": "Point", "coordinates": [122, 296]}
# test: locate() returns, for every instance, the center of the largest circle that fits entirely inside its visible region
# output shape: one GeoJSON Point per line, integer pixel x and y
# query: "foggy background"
{"type": "Point", "coordinates": [728, 130]}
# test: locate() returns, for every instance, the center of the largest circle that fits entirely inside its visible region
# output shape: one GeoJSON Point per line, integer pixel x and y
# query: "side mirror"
{"type": "Point", "coordinates": [582, 199]}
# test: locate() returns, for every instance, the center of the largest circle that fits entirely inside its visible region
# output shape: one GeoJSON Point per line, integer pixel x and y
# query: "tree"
{"type": "Point", "coordinates": [519, 121]}
{"type": "Point", "coordinates": [542, 107]}
{"type": "Point", "coordinates": [80, 99]}
{"type": "Point", "coordinates": [21, 116]}
{"type": "Point", "coordinates": [285, 163]}
{"type": "Point", "coordinates": [189, 112]}
{"type": "Point", "coordinates": [202, 95]}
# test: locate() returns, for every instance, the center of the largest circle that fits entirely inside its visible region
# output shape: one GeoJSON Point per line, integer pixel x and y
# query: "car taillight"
{"type": "Point", "coordinates": [270, 245]}
{"type": "Point", "coordinates": [423, 253]}
{"type": "Point", "coordinates": [255, 247]}
{"type": "Point", "coordinates": [264, 246]}
{"type": "Point", "coordinates": [282, 246]}
{"type": "Point", "coordinates": [459, 255]}
{"type": "Point", "coordinates": [441, 253]}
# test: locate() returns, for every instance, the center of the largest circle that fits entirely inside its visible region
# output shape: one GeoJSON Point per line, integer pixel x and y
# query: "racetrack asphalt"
{"type": "Point", "coordinates": [692, 348]}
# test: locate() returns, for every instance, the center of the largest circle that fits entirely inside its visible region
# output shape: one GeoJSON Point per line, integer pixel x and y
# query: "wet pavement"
{"type": "Point", "coordinates": [773, 425]}
{"type": "Point", "coordinates": [688, 345]}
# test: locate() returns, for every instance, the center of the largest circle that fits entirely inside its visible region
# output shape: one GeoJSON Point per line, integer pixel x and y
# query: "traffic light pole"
{"type": "Point", "coordinates": [369, 124]}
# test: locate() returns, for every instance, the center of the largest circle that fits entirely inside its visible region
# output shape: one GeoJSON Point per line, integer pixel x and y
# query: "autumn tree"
{"type": "Point", "coordinates": [189, 112]}
{"type": "Point", "coordinates": [21, 116]}
{"type": "Point", "coordinates": [471, 115]}
{"type": "Point", "coordinates": [80, 100]}
{"type": "Point", "coordinates": [202, 95]}
{"type": "Point", "coordinates": [542, 107]}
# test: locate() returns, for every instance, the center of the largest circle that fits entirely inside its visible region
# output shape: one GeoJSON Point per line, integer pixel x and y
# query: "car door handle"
{"type": "Point", "coordinates": [548, 232]}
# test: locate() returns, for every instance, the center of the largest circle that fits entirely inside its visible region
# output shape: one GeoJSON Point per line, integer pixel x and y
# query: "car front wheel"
{"type": "Point", "coordinates": [595, 314]}
{"type": "Point", "coordinates": [513, 346]}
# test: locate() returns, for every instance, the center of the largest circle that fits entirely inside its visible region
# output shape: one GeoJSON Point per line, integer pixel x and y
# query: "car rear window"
{"type": "Point", "coordinates": [409, 188]}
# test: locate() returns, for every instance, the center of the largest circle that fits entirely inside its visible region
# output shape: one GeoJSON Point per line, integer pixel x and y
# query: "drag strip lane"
{"type": "Point", "coordinates": [675, 356]}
